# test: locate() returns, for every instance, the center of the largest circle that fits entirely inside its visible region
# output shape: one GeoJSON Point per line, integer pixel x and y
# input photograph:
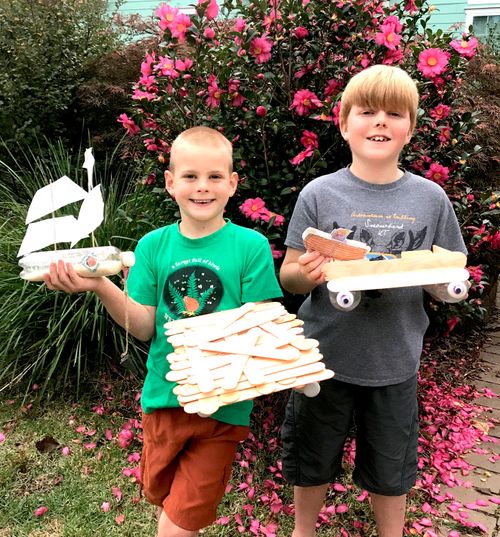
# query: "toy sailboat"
{"type": "Point", "coordinates": [88, 262]}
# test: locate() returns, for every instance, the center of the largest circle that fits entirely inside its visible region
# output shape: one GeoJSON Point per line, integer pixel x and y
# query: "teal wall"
{"type": "Point", "coordinates": [448, 13]}
{"type": "Point", "coordinates": [146, 8]}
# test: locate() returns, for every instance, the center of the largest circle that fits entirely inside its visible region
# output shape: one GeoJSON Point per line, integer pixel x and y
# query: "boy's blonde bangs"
{"type": "Point", "coordinates": [202, 136]}
{"type": "Point", "coordinates": [381, 87]}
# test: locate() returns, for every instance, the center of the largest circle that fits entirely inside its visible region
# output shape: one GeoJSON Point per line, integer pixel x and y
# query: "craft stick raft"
{"type": "Point", "coordinates": [347, 279]}
{"type": "Point", "coordinates": [239, 354]}
{"type": "Point", "coordinates": [419, 267]}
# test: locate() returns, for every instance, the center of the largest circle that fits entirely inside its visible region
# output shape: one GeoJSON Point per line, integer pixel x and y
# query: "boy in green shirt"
{"type": "Point", "coordinates": [203, 263]}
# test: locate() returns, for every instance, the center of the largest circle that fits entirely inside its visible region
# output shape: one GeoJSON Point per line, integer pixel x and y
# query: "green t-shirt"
{"type": "Point", "coordinates": [183, 277]}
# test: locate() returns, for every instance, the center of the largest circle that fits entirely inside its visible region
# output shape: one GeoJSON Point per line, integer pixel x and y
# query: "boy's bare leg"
{"type": "Point", "coordinates": [308, 504]}
{"type": "Point", "coordinates": [389, 514]}
{"type": "Point", "coordinates": [166, 528]}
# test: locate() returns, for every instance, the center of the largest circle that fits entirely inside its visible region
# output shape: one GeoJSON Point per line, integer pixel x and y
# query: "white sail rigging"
{"type": "Point", "coordinates": [49, 199]}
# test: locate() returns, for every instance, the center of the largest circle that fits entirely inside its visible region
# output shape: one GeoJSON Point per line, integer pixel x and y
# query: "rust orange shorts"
{"type": "Point", "coordinates": [186, 463]}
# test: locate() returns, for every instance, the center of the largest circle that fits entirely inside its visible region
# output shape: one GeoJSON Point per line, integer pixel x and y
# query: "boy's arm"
{"type": "Point", "coordinates": [141, 318]}
{"type": "Point", "coordinates": [301, 271]}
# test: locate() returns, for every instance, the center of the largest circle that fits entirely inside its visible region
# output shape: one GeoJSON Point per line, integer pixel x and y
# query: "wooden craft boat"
{"type": "Point", "coordinates": [340, 249]}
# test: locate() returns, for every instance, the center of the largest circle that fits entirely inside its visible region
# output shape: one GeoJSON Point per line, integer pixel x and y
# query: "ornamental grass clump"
{"type": "Point", "coordinates": [269, 74]}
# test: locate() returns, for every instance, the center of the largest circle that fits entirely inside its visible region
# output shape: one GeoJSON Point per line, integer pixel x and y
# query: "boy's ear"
{"type": "Point", "coordinates": [343, 130]}
{"type": "Point", "coordinates": [169, 182]}
{"type": "Point", "coordinates": [233, 182]}
{"type": "Point", "coordinates": [409, 135]}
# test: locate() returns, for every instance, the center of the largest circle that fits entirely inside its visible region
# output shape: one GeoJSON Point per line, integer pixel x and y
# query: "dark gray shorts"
{"type": "Point", "coordinates": [386, 419]}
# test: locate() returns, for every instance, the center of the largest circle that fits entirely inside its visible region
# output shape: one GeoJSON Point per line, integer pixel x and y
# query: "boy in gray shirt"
{"type": "Point", "coordinates": [374, 349]}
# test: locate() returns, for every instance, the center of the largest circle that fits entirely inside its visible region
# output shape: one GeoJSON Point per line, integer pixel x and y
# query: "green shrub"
{"type": "Point", "coordinates": [270, 78]}
{"type": "Point", "coordinates": [45, 48]}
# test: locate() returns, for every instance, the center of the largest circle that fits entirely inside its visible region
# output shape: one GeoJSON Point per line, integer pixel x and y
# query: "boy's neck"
{"type": "Point", "coordinates": [198, 230]}
{"type": "Point", "coordinates": [380, 174]}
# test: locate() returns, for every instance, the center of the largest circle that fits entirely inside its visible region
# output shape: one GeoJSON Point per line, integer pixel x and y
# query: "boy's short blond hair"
{"type": "Point", "coordinates": [381, 87]}
{"type": "Point", "coordinates": [202, 136]}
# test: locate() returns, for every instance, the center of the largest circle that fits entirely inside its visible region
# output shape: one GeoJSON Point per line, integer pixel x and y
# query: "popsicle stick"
{"type": "Point", "coordinates": [201, 370]}
{"type": "Point", "coordinates": [210, 319]}
{"type": "Point", "coordinates": [219, 368]}
{"type": "Point", "coordinates": [253, 373]}
{"type": "Point", "coordinates": [191, 392]}
{"type": "Point", "coordinates": [240, 324]}
{"type": "Point", "coordinates": [193, 406]}
{"type": "Point", "coordinates": [261, 351]}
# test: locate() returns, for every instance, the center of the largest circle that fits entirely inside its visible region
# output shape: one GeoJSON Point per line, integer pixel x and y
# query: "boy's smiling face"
{"type": "Point", "coordinates": [201, 181]}
{"type": "Point", "coordinates": [376, 136]}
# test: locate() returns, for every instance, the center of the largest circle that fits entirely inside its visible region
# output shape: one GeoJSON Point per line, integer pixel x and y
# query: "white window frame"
{"type": "Point", "coordinates": [479, 12]}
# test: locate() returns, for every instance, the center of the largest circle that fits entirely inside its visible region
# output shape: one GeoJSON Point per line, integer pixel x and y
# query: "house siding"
{"type": "Point", "coordinates": [449, 13]}
{"type": "Point", "coordinates": [146, 8]}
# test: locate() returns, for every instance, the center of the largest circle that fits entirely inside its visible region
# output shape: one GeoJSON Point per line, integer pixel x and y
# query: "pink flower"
{"type": "Point", "coordinates": [167, 15]}
{"type": "Point", "coordinates": [183, 65]}
{"type": "Point", "coordinates": [261, 111]}
{"type": "Point", "coordinates": [332, 87]}
{"type": "Point", "coordinates": [41, 511]}
{"type": "Point", "coordinates": [304, 102]}
{"type": "Point", "coordinates": [389, 36]}
{"type": "Point", "coordinates": [432, 62]}
{"type": "Point", "coordinates": [65, 451]}
{"type": "Point", "coordinates": [120, 519]}
{"type": "Point", "coordinates": [309, 140]}
{"type": "Point", "coordinates": [179, 26]}
{"type": "Point", "coordinates": [466, 48]}
{"type": "Point", "coordinates": [146, 66]}
{"type": "Point", "coordinates": [410, 6]}
{"type": "Point", "coordinates": [239, 25]}
{"type": "Point", "coordinates": [117, 493]}
{"type": "Point", "coordinates": [260, 48]}
{"type": "Point", "coordinates": [214, 92]}
{"type": "Point", "coordinates": [105, 506]}
{"type": "Point", "coordinates": [212, 9]}
{"type": "Point", "coordinates": [302, 156]}
{"type": "Point", "coordinates": [237, 98]}
{"type": "Point", "coordinates": [300, 32]}
{"type": "Point", "coordinates": [209, 33]}
{"type": "Point", "coordinates": [128, 124]}
{"type": "Point", "coordinates": [394, 22]}
{"type": "Point", "coordinates": [444, 133]}
{"type": "Point", "coordinates": [2, 438]}
{"type": "Point", "coordinates": [451, 324]}
{"type": "Point", "coordinates": [437, 173]}
{"type": "Point", "coordinates": [253, 208]}
{"type": "Point", "coordinates": [475, 273]}
{"type": "Point", "coordinates": [125, 437]}
{"type": "Point", "coordinates": [166, 66]}
{"type": "Point", "coordinates": [441, 111]}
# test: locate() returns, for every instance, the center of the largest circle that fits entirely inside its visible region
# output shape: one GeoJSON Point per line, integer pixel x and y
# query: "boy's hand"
{"type": "Point", "coordinates": [63, 277]}
{"type": "Point", "coordinates": [310, 265]}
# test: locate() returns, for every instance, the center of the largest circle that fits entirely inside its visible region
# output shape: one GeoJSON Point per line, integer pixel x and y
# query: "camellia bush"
{"type": "Point", "coordinates": [269, 75]}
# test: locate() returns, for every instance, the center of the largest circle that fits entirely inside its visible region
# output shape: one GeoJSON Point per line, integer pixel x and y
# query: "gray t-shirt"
{"type": "Point", "coordinates": [379, 343]}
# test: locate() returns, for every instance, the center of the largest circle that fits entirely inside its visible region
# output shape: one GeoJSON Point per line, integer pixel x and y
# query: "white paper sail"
{"type": "Point", "coordinates": [91, 215]}
{"type": "Point", "coordinates": [54, 196]}
{"type": "Point", "coordinates": [47, 232]}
